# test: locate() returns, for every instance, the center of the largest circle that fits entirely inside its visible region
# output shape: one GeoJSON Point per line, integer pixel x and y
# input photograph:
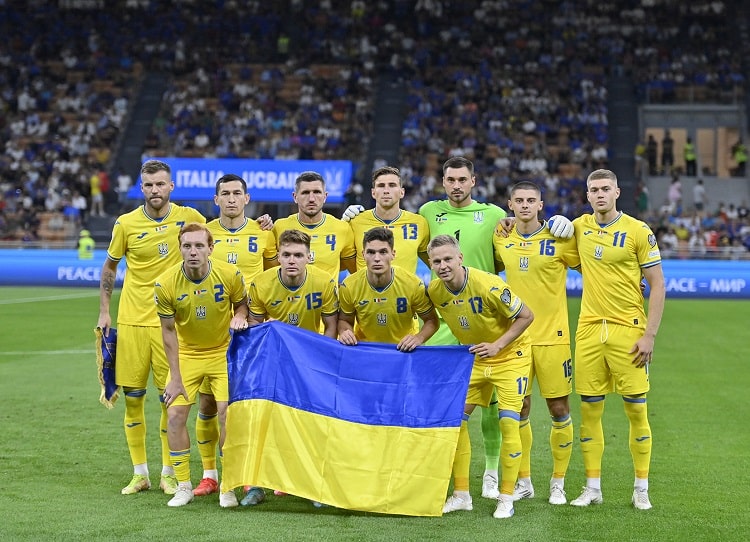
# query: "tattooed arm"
{"type": "Point", "coordinates": [106, 286]}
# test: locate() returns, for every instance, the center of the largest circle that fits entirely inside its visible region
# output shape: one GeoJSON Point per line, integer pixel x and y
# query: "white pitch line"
{"type": "Point", "coordinates": [48, 298]}
{"type": "Point", "coordinates": [45, 352]}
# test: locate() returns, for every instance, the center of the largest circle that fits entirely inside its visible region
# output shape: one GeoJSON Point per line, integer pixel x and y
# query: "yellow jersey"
{"type": "Point", "coordinates": [536, 268]}
{"type": "Point", "coordinates": [384, 315]}
{"type": "Point", "coordinates": [411, 234]}
{"type": "Point", "coordinates": [303, 306]}
{"type": "Point", "coordinates": [248, 247]}
{"type": "Point", "coordinates": [201, 309]}
{"type": "Point", "coordinates": [482, 310]}
{"type": "Point", "coordinates": [150, 247]}
{"type": "Point", "coordinates": [612, 256]}
{"type": "Point", "coordinates": [331, 241]}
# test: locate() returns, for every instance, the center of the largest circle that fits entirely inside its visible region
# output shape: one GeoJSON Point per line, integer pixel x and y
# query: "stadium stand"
{"type": "Point", "coordinates": [519, 87]}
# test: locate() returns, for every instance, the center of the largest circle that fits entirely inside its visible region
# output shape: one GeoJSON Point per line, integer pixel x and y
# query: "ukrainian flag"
{"type": "Point", "coordinates": [361, 427]}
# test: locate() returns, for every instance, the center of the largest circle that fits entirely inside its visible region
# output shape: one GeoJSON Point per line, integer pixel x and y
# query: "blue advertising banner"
{"type": "Point", "coordinates": [39, 267]}
{"type": "Point", "coordinates": [684, 278]}
{"type": "Point", "coordinates": [267, 180]}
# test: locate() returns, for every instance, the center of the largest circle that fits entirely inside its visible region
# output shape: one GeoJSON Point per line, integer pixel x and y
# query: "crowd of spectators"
{"type": "Point", "coordinates": [268, 111]}
{"type": "Point", "coordinates": [690, 233]}
{"type": "Point", "coordinates": [65, 95]}
{"type": "Point", "coordinates": [680, 52]}
{"type": "Point", "coordinates": [313, 100]}
{"type": "Point", "coordinates": [510, 85]}
{"type": "Point", "coordinates": [519, 87]}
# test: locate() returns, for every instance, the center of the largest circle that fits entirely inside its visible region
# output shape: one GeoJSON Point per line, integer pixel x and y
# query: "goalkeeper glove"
{"type": "Point", "coordinates": [351, 212]}
{"type": "Point", "coordinates": [559, 226]}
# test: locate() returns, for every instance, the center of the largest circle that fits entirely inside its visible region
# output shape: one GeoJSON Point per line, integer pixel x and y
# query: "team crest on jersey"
{"type": "Point", "coordinates": [463, 322]}
{"type": "Point", "coordinates": [163, 249]}
{"type": "Point", "coordinates": [157, 229]}
{"type": "Point", "coordinates": [293, 318]}
{"type": "Point", "coordinates": [505, 296]}
{"type": "Point", "coordinates": [478, 217]}
{"type": "Point", "coordinates": [232, 258]}
{"type": "Point", "coordinates": [598, 252]}
{"type": "Point", "coordinates": [312, 257]}
{"type": "Point", "coordinates": [652, 240]}
{"type": "Point", "coordinates": [382, 319]}
{"type": "Point", "coordinates": [439, 218]}
{"type": "Point", "coordinates": [523, 263]}
{"type": "Point", "coordinates": [200, 312]}
{"type": "Point", "coordinates": [199, 292]}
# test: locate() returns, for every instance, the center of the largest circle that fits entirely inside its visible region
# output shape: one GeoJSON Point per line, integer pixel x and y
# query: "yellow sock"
{"type": "Point", "coordinates": [166, 460]}
{"type": "Point", "coordinates": [181, 464]}
{"type": "Point", "coordinates": [592, 435]}
{"type": "Point", "coordinates": [511, 451]}
{"type": "Point", "coordinates": [640, 434]}
{"type": "Point", "coordinates": [561, 444]}
{"type": "Point", "coordinates": [462, 460]}
{"type": "Point", "coordinates": [135, 425]}
{"type": "Point", "coordinates": [527, 439]}
{"type": "Point", "coordinates": [207, 435]}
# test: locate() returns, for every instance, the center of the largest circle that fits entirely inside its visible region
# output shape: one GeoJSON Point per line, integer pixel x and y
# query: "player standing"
{"type": "Point", "coordinates": [615, 339]}
{"type": "Point", "coordinates": [251, 246]}
{"type": "Point", "coordinates": [482, 311]}
{"type": "Point", "coordinates": [536, 265]}
{"type": "Point", "coordinates": [147, 239]}
{"type": "Point", "coordinates": [198, 302]}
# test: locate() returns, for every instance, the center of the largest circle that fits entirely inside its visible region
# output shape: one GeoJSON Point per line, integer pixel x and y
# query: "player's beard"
{"type": "Point", "coordinates": [459, 199]}
{"type": "Point", "coordinates": [157, 203]}
{"type": "Point", "coordinates": [310, 213]}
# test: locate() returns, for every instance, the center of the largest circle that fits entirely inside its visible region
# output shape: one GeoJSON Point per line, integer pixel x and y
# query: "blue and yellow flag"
{"type": "Point", "coordinates": [361, 427]}
{"type": "Point", "coordinates": [106, 352]}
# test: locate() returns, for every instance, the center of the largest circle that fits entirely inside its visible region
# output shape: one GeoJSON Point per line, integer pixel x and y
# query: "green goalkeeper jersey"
{"type": "Point", "coordinates": [473, 226]}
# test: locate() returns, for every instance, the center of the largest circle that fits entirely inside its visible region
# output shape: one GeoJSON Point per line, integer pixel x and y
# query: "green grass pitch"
{"type": "Point", "coordinates": [63, 457]}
